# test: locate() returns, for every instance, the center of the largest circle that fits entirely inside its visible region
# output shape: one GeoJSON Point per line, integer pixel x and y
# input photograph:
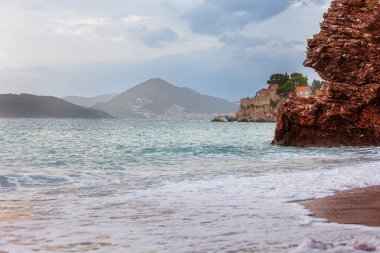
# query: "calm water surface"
{"type": "Point", "coordinates": [167, 186]}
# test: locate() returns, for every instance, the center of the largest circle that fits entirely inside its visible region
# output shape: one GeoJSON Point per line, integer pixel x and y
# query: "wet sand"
{"type": "Point", "coordinates": [19, 210]}
{"type": "Point", "coordinates": [358, 206]}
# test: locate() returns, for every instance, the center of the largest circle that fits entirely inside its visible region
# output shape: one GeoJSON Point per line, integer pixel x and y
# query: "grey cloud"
{"type": "Point", "coordinates": [243, 41]}
{"type": "Point", "coordinates": [309, 2]}
{"type": "Point", "coordinates": [222, 72]}
{"type": "Point", "coordinates": [112, 6]}
{"type": "Point", "coordinates": [219, 16]}
{"type": "Point", "coordinates": [274, 44]}
{"type": "Point", "coordinates": [233, 71]}
{"type": "Point", "coordinates": [156, 38]}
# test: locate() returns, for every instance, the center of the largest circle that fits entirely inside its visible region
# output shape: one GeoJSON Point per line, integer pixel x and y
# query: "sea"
{"type": "Point", "coordinates": [171, 186]}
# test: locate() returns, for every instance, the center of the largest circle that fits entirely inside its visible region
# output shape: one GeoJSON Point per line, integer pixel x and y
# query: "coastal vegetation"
{"type": "Point", "coordinates": [263, 106]}
{"type": "Point", "coordinates": [289, 83]}
{"type": "Point", "coordinates": [274, 102]}
{"type": "Point", "coordinates": [316, 85]}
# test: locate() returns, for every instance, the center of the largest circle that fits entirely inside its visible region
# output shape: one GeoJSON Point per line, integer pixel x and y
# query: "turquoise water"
{"type": "Point", "coordinates": [166, 186]}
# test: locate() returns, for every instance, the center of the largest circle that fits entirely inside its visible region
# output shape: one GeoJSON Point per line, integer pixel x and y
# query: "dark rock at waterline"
{"type": "Point", "coordinates": [224, 118]}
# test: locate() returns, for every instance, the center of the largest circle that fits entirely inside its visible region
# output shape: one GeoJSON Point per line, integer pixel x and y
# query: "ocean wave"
{"type": "Point", "coordinates": [353, 246]}
{"type": "Point", "coordinates": [191, 186]}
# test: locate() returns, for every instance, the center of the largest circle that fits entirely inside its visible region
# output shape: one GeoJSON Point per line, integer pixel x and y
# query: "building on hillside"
{"type": "Point", "coordinates": [261, 108]}
{"type": "Point", "coordinates": [265, 92]}
{"type": "Point", "coordinates": [303, 91]}
{"type": "Point", "coordinates": [262, 98]}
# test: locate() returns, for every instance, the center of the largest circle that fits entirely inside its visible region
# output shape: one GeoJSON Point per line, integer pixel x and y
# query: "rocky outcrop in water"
{"type": "Point", "coordinates": [346, 53]}
{"type": "Point", "coordinates": [224, 118]}
{"type": "Point", "coordinates": [250, 113]}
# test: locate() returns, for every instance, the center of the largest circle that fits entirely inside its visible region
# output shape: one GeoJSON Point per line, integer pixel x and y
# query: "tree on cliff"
{"type": "Point", "coordinates": [285, 89]}
{"type": "Point", "coordinates": [295, 79]}
{"type": "Point", "coordinates": [298, 79]}
{"type": "Point", "coordinates": [278, 78]}
{"type": "Point", "coordinates": [316, 84]}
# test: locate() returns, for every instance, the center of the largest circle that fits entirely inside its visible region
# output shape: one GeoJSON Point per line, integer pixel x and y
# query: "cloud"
{"type": "Point", "coordinates": [223, 72]}
{"type": "Point", "coordinates": [181, 6]}
{"type": "Point", "coordinates": [241, 41]}
{"type": "Point", "coordinates": [113, 8]}
{"type": "Point", "coordinates": [56, 37]}
{"type": "Point", "coordinates": [308, 2]}
{"type": "Point", "coordinates": [221, 16]}
{"type": "Point", "coordinates": [156, 38]}
{"type": "Point", "coordinates": [79, 26]}
{"type": "Point", "coordinates": [89, 47]}
{"type": "Point", "coordinates": [240, 24]}
{"type": "Point", "coordinates": [160, 38]}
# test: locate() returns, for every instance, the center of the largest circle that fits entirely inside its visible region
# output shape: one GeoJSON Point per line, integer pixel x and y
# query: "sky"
{"type": "Point", "coordinates": [223, 48]}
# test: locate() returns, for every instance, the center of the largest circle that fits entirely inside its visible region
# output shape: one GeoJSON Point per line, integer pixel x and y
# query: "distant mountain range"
{"type": "Point", "coordinates": [157, 98]}
{"type": "Point", "coordinates": [31, 106]}
{"type": "Point", "coordinates": [152, 99]}
{"type": "Point", "coordinates": [89, 101]}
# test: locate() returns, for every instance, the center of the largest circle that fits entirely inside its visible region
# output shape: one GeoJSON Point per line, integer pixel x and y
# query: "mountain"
{"type": "Point", "coordinates": [157, 98]}
{"type": "Point", "coordinates": [89, 101]}
{"type": "Point", "coordinates": [31, 106]}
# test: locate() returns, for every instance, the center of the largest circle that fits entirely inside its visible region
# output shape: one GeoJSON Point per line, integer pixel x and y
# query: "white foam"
{"type": "Point", "coordinates": [216, 213]}
{"type": "Point", "coordinates": [186, 187]}
{"type": "Point", "coordinates": [354, 246]}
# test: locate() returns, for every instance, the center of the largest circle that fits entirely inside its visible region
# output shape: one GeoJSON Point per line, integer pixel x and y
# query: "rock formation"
{"type": "Point", "coordinates": [224, 118]}
{"type": "Point", "coordinates": [346, 53]}
{"type": "Point", "coordinates": [250, 113]}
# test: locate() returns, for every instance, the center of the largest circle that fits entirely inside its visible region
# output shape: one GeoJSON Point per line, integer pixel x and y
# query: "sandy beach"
{"type": "Point", "coordinates": [358, 206]}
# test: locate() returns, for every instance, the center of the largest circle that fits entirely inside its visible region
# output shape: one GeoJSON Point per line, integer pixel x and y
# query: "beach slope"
{"type": "Point", "coordinates": [358, 206]}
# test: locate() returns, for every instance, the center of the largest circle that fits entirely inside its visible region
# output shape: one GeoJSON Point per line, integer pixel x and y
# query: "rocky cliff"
{"type": "Point", "coordinates": [346, 53]}
{"type": "Point", "coordinates": [264, 113]}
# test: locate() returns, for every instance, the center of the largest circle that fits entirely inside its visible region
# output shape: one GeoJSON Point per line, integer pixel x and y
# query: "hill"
{"type": "Point", "coordinates": [157, 98]}
{"type": "Point", "coordinates": [31, 106]}
{"type": "Point", "coordinates": [89, 101]}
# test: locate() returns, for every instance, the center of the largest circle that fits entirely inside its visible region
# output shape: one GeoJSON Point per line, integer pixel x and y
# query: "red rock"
{"type": "Point", "coordinates": [346, 53]}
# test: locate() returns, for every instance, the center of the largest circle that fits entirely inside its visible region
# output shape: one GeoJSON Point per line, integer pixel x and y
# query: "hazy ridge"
{"type": "Point", "coordinates": [32, 106]}
{"type": "Point", "coordinates": [152, 99]}
{"type": "Point", "coordinates": [156, 98]}
{"type": "Point", "coordinates": [89, 101]}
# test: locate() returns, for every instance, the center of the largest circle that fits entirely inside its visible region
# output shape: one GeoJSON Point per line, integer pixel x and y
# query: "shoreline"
{"type": "Point", "coordinates": [359, 206]}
